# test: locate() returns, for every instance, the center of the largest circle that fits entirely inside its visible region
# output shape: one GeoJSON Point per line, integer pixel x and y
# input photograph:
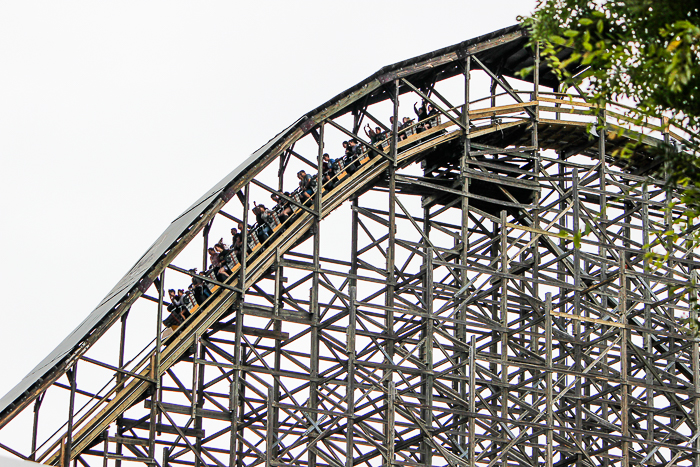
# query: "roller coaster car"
{"type": "Point", "coordinates": [273, 220]}
{"type": "Point", "coordinates": [434, 120]}
{"type": "Point", "coordinates": [231, 262]}
{"type": "Point", "coordinates": [296, 196]}
{"type": "Point", "coordinates": [340, 171]}
{"type": "Point", "coordinates": [173, 320]}
{"type": "Point", "coordinates": [409, 129]}
{"type": "Point", "coordinates": [412, 130]}
{"type": "Point", "coordinates": [189, 302]}
{"type": "Point", "coordinates": [253, 242]}
{"type": "Point", "coordinates": [190, 305]}
{"type": "Point", "coordinates": [181, 313]}
{"type": "Point", "coordinates": [364, 157]}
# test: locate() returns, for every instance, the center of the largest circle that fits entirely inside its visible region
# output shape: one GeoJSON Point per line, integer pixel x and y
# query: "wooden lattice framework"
{"type": "Point", "coordinates": [460, 323]}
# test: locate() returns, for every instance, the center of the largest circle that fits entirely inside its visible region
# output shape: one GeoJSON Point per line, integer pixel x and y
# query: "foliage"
{"type": "Point", "coordinates": [646, 51]}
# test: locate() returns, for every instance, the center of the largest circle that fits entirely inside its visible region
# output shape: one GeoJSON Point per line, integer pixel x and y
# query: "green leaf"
{"type": "Point", "coordinates": [557, 40]}
{"type": "Point", "coordinates": [577, 240]}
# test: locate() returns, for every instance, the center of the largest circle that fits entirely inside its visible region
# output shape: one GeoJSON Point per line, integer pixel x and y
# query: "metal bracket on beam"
{"type": "Point", "coordinates": [144, 284]}
{"type": "Point", "coordinates": [308, 125]}
{"type": "Point", "coordinates": [387, 77]}
{"type": "Point", "coordinates": [228, 194]}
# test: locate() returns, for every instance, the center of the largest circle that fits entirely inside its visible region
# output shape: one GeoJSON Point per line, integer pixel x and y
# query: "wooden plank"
{"type": "Point", "coordinates": [284, 315]}
{"type": "Point", "coordinates": [129, 440]}
{"type": "Point", "coordinates": [533, 230]}
{"type": "Point", "coordinates": [503, 179]}
{"type": "Point", "coordinates": [475, 133]}
{"type": "Point", "coordinates": [589, 320]}
{"type": "Point", "coordinates": [145, 425]}
{"type": "Point", "coordinates": [567, 102]}
{"type": "Point", "coordinates": [187, 410]}
{"type": "Point", "coordinates": [563, 122]}
{"type": "Point", "coordinates": [500, 110]}
{"type": "Point", "coordinates": [257, 332]}
{"type": "Point", "coordinates": [109, 455]}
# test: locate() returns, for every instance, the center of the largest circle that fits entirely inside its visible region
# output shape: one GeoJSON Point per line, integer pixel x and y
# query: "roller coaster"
{"type": "Point", "coordinates": [445, 312]}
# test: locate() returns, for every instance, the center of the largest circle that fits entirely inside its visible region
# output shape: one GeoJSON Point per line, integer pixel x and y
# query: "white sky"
{"type": "Point", "coordinates": [116, 116]}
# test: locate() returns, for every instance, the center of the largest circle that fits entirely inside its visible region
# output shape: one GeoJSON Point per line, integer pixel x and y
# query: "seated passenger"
{"type": "Point", "coordinates": [199, 288]}
{"type": "Point", "coordinates": [373, 135]}
{"type": "Point", "coordinates": [355, 148]}
{"type": "Point", "coordinates": [422, 114]}
{"type": "Point", "coordinates": [264, 230]}
{"type": "Point", "coordinates": [175, 308]}
{"type": "Point", "coordinates": [405, 123]}
{"type": "Point", "coordinates": [236, 239]}
{"type": "Point", "coordinates": [217, 264]}
{"type": "Point", "coordinates": [220, 245]}
{"type": "Point", "coordinates": [267, 217]}
{"type": "Point", "coordinates": [432, 111]}
{"type": "Point", "coordinates": [391, 125]}
{"type": "Point", "coordinates": [305, 185]}
{"type": "Point", "coordinates": [380, 135]}
{"type": "Point", "coordinates": [327, 168]}
{"type": "Point", "coordinates": [174, 301]}
{"type": "Point", "coordinates": [183, 300]}
{"type": "Point", "coordinates": [240, 250]}
{"type": "Point", "coordinates": [284, 209]}
{"type": "Point", "coordinates": [348, 150]}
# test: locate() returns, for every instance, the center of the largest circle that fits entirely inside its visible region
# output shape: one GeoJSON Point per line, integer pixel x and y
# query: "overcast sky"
{"type": "Point", "coordinates": [116, 116]}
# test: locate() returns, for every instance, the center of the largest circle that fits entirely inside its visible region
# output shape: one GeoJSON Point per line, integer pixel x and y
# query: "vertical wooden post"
{"type": "Point", "coordinates": [349, 433]}
{"type": "Point", "coordinates": [105, 447]}
{"type": "Point", "coordinates": [270, 432]}
{"type": "Point", "coordinates": [273, 410]}
{"type": "Point", "coordinates": [155, 373]}
{"type": "Point", "coordinates": [472, 401]}
{"type": "Point", "coordinates": [504, 396]}
{"type": "Point", "coordinates": [461, 329]}
{"type": "Point", "coordinates": [578, 334]}
{"type": "Point", "coordinates": [198, 396]}
{"type": "Point", "coordinates": [35, 425]}
{"type": "Point", "coordinates": [549, 456]}
{"type": "Point", "coordinates": [693, 314]}
{"type": "Point", "coordinates": [427, 449]}
{"type": "Point", "coordinates": [205, 243]}
{"type": "Point", "coordinates": [352, 318]}
{"type": "Point", "coordinates": [235, 389]}
{"type": "Point", "coordinates": [390, 421]}
{"type": "Point", "coordinates": [120, 386]}
{"type": "Point", "coordinates": [73, 377]}
{"type": "Point", "coordinates": [395, 126]}
{"type": "Point", "coordinates": [391, 280]}
{"type": "Point", "coordinates": [244, 249]}
{"type": "Point", "coordinates": [314, 299]}
{"type": "Point", "coordinates": [624, 365]}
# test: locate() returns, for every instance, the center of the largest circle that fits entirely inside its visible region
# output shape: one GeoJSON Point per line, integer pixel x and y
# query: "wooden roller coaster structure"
{"type": "Point", "coordinates": [442, 315]}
